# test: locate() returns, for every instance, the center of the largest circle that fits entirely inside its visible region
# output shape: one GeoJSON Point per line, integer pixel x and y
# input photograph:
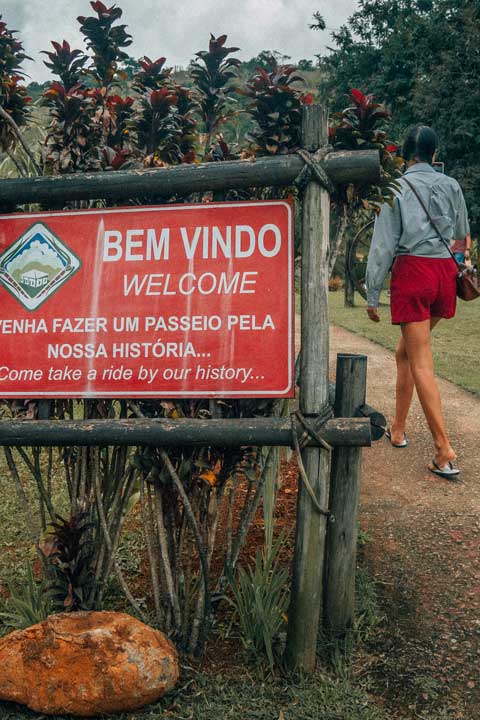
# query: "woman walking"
{"type": "Point", "coordinates": [423, 283]}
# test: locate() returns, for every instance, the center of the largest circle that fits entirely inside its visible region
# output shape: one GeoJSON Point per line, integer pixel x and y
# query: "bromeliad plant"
{"type": "Point", "coordinates": [28, 606]}
{"type": "Point", "coordinates": [72, 585]}
{"type": "Point", "coordinates": [260, 598]}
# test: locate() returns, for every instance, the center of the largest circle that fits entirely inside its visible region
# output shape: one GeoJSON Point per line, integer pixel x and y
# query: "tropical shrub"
{"type": "Point", "coordinates": [362, 126]}
{"type": "Point", "coordinates": [212, 74]}
{"type": "Point", "coordinates": [276, 107]}
{"type": "Point", "coordinates": [14, 98]}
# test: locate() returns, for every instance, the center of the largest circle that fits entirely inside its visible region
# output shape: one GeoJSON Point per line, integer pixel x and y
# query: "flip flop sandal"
{"type": "Point", "coordinates": [401, 445]}
{"type": "Point", "coordinates": [447, 471]}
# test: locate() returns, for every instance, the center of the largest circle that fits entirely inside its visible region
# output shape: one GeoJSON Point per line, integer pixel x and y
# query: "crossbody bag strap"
{"type": "Point", "coordinates": [432, 221]}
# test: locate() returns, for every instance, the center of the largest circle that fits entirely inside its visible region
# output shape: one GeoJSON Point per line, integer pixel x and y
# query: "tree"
{"type": "Point", "coordinates": [422, 59]}
{"type": "Point", "coordinates": [319, 22]}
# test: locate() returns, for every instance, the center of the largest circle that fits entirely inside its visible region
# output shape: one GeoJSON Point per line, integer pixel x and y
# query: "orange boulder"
{"type": "Point", "coordinates": [86, 663]}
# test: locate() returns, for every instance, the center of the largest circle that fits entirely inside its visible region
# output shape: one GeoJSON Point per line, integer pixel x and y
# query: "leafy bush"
{"type": "Point", "coordinates": [105, 40]}
{"type": "Point", "coordinates": [212, 74]}
{"type": "Point", "coordinates": [14, 99]}
{"type": "Point", "coordinates": [276, 107]}
{"type": "Point", "coordinates": [361, 126]}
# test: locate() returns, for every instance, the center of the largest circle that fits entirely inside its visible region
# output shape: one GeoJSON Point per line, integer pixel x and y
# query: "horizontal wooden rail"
{"type": "Point", "coordinates": [352, 432]}
{"type": "Point", "coordinates": [341, 167]}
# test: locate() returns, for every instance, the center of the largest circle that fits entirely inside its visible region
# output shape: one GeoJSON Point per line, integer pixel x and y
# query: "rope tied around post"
{"type": "Point", "coordinates": [310, 432]}
{"type": "Point", "coordinates": [314, 170]}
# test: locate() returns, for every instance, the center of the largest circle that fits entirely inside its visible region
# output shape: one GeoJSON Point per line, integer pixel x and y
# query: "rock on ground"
{"type": "Point", "coordinates": [86, 664]}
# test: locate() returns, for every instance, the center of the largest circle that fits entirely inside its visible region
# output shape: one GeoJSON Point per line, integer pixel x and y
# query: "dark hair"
{"type": "Point", "coordinates": [420, 142]}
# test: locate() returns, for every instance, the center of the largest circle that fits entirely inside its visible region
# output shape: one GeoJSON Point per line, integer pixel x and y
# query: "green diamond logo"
{"type": "Point", "coordinates": [36, 266]}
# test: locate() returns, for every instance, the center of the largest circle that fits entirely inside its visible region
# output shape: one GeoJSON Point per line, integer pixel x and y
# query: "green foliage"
{"type": "Point", "coordinates": [368, 615]}
{"type": "Point", "coordinates": [263, 60]}
{"type": "Point", "coordinates": [27, 607]}
{"type": "Point", "coordinates": [252, 696]}
{"type": "Point", "coordinates": [305, 65]}
{"type": "Point", "coordinates": [422, 58]}
{"type": "Point", "coordinates": [260, 599]}
{"type": "Point", "coordinates": [449, 339]}
{"type": "Point", "coordinates": [319, 21]}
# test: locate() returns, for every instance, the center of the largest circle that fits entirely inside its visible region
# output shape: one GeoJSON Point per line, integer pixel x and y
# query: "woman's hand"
{"type": "Point", "coordinates": [373, 315]}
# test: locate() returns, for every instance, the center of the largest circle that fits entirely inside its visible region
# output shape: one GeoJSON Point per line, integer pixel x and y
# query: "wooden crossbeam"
{"type": "Point", "coordinates": [341, 167]}
{"type": "Point", "coordinates": [354, 432]}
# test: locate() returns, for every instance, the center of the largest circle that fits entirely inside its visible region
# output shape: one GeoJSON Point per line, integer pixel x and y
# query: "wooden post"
{"type": "Point", "coordinates": [349, 290]}
{"type": "Point", "coordinates": [307, 581]}
{"type": "Point", "coordinates": [339, 600]}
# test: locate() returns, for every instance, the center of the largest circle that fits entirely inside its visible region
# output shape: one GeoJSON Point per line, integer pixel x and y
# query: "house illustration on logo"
{"type": "Point", "coordinates": [34, 278]}
{"type": "Point", "coordinates": [36, 266]}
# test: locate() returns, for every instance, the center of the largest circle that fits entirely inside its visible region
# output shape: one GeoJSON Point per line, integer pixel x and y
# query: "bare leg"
{"type": "Point", "coordinates": [404, 389]}
{"type": "Point", "coordinates": [404, 393]}
{"type": "Point", "coordinates": [417, 344]}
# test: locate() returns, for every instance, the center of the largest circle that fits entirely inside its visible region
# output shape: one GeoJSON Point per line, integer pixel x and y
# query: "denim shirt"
{"type": "Point", "coordinates": [404, 229]}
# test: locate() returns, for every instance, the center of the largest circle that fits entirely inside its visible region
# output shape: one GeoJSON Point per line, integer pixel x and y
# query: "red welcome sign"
{"type": "Point", "coordinates": [170, 301]}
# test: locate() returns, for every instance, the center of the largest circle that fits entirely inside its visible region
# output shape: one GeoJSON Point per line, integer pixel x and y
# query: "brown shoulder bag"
{"type": "Point", "coordinates": [467, 278]}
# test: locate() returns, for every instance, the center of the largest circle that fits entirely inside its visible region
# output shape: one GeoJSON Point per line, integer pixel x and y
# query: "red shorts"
{"type": "Point", "coordinates": [422, 288]}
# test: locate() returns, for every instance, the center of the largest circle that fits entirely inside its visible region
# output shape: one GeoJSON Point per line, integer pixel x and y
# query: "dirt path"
{"type": "Point", "coordinates": [425, 551]}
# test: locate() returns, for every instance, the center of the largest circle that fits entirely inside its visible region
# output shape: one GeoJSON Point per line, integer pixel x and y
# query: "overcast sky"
{"type": "Point", "coordinates": [177, 29]}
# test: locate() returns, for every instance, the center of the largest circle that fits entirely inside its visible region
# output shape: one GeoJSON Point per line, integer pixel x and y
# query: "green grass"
{"type": "Point", "coordinates": [456, 343]}
{"type": "Point", "coordinates": [252, 697]}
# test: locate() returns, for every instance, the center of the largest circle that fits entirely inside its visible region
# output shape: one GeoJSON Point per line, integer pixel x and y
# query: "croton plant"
{"type": "Point", "coordinates": [362, 126]}
{"type": "Point", "coordinates": [14, 97]}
